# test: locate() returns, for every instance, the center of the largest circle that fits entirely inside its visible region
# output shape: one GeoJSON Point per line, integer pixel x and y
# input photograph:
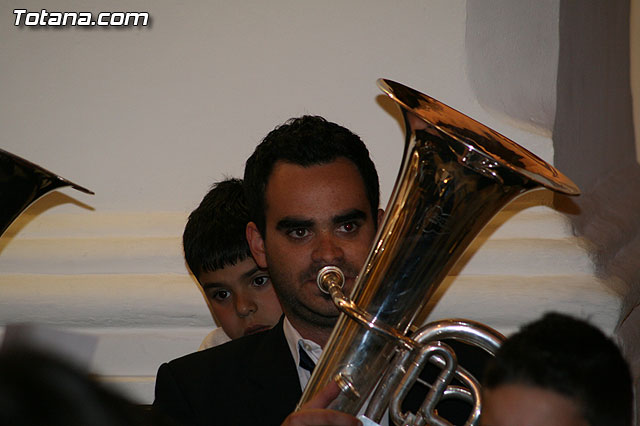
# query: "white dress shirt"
{"type": "Point", "coordinates": [296, 342]}
{"type": "Point", "coordinates": [216, 337]}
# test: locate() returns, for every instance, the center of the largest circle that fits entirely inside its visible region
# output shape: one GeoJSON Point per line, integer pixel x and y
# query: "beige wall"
{"type": "Point", "coordinates": [148, 118]}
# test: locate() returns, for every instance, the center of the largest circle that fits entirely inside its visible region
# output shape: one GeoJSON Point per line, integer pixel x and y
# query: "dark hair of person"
{"type": "Point", "coordinates": [306, 141]}
{"type": "Point", "coordinates": [40, 389]}
{"type": "Point", "coordinates": [573, 358]}
{"type": "Point", "coordinates": [214, 236]}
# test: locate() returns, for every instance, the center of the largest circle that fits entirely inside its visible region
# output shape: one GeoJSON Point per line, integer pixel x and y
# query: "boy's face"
{"type": "Point", "coordinates": [242, 298]}
{"type": "Point", "coordinates": [525, 405]}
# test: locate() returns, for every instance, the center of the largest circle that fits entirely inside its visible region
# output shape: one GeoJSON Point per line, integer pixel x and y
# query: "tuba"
{"type": "Point", "coordinates": [456, 174]}
{"type": "Point", "coordinates": [22, 183]}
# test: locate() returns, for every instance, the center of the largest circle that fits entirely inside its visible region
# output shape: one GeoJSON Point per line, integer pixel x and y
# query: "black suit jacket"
{"type": "Point", "coordinates": [248, 381]}
{"type": "Point", "coordinates": [254, 381]}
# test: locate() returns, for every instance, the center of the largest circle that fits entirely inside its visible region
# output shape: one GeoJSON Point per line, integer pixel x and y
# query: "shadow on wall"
{"type": "Point", "coordinates": [594, 143]}
{"type": "Point", "coordinates": [594, 139]}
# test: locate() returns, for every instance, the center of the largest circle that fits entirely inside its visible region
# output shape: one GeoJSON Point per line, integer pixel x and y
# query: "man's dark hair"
{"type": "Point", "coordinates": [214, 236]}
{"type": "Point", "coordinates": [306, 141]}
{"type": "Point", "coordinates": [573, 358]}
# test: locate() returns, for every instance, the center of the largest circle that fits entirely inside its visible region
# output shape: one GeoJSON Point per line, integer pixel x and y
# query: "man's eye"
{"type": "Point", "coordinates": [298, 233]}
{"type": "Point", "coordinates": [221, 295]}
{"type": "Point", "coordinates": [260, 281]}
{"type": "Point", "coordinates": [348, 227]}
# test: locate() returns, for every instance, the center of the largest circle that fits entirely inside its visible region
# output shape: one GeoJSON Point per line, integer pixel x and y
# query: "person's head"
{"type": "Point", "coordinates": [40, 389]}
{"type": "Point", "coordinates": [557, 371]}
{"type": "Point", "coordinates": [237, 290]}
{"type": "Point", "coordinates": [306, 141]}
{"type": "Point", "coordinates": [315, 195]}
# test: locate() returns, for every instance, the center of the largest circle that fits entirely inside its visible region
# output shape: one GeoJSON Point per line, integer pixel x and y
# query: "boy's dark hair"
{"type": "Point", "coordinates": [306, 141]}
{"type": "Point", "coordinates": [571, 357]}
{"type": "Point", "coordinates": [214, 236]}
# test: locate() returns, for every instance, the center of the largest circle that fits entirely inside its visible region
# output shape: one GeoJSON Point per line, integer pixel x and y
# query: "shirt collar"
{"type": "Point", "coordinates": [295, 340]}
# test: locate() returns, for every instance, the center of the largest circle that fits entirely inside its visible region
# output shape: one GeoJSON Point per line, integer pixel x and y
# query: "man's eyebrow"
{"type": "Point", "coordinates": [292, 222]}
{"type": "Point", "coordinates": [349, 216]}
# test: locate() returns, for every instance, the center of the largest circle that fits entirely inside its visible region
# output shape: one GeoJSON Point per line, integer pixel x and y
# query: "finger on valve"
{"type": "Point", "coordinates": [315, 413]}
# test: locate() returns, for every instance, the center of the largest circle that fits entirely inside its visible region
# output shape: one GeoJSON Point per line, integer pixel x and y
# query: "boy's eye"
{"type": "Point", "coordinates": [221, 295]}
{"type": "Point", "coordinates": [298, 233]}
{"type": "Point", "coordinates": [260, 281]}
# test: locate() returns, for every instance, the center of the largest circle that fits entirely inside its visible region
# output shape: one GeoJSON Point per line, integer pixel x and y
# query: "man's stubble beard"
{"type": "Point", "coordinates": [316, 308]}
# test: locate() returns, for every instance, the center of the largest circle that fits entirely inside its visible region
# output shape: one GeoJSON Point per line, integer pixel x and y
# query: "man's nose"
{"type": "Point", "coordinates": [327, 250]}
{"type": "Point", "coordinates": [245, 305]}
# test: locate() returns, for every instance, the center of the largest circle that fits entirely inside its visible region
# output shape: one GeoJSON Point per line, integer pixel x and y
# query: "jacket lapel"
{"type": "Point", "coordinates": [274, 377]}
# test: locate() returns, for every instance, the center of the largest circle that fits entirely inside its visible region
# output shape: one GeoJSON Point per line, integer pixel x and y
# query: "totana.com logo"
{"type": "Point", "coordinates": [62, 19]}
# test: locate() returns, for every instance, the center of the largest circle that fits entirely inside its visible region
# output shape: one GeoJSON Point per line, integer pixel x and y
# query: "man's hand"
{"type": "Point", "coordinates": [315, 413]}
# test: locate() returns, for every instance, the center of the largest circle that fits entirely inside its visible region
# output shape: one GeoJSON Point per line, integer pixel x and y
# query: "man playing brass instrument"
{"type": "Point", "coordinates": [313, 194]}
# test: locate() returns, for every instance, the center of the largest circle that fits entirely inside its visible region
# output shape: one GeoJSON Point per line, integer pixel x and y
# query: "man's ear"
{"type": "Point", "coordinates": [380, 217]}
{"type": "Point", "coordinates": [256, 245]}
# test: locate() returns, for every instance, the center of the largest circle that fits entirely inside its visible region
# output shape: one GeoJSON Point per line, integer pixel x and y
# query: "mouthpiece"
{"type": "Point", "coordinates": [328, 277]}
